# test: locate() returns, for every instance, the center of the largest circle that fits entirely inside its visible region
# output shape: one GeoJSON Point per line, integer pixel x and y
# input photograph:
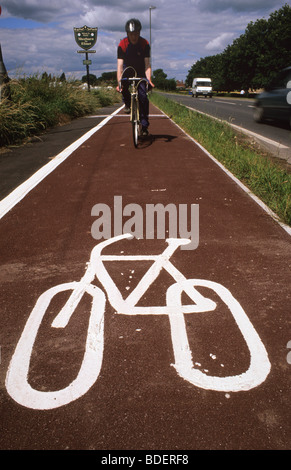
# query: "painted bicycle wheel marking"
{"type": "Point", "coordinates": [17, 381]}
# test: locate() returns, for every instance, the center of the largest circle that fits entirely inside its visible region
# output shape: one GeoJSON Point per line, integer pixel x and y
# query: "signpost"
{"type": "Point", "coordinates": [86, 38]}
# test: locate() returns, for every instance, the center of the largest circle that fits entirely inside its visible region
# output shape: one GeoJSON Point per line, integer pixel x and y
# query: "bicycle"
{"type": "Point", "coordinates": [134, 104]}
{"type": "Point", "coordinates": [17, 376]}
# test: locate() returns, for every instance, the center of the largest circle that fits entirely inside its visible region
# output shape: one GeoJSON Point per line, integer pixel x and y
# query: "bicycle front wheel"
{"type": "Point", "coordinates": [135, 123]}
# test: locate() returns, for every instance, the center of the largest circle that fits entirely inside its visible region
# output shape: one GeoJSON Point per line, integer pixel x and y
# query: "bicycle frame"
{"type": "Point", "coordinates": [128, 306]}
{"type": "Point", "coordinates": [16, 380]}
{"type": "Point", "coordinates": [134, 109]}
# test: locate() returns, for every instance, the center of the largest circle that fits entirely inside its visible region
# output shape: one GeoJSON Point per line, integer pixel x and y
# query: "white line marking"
{"type": "Point", "coordinates": [94, 116]}
{"type": "Point", "coordinates": [225, 102]}
{"type": "Point", "coordinates": [120, 115]}
{"type": "Point", "coordinates": [21, 191]}
{"type": "Point", "coordinates": [106, 115]}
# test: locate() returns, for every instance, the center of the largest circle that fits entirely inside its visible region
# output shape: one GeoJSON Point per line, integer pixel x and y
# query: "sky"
{"type": "Point", "coordinates": [37, 36]}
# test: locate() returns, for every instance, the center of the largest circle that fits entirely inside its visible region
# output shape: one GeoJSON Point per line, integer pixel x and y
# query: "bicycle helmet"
{"type": "Point", "coordinates": [133, 25]}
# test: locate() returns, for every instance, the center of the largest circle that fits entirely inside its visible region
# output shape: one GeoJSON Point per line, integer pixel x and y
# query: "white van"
{"type": "Point", "coordinates": [202, 86]}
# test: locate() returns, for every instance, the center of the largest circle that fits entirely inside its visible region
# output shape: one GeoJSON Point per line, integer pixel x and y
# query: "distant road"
{"type": "Point", "coordinates": [239, 112]}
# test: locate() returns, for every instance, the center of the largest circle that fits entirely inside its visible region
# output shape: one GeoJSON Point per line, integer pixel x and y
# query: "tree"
{"type": "Point", "coordinates": [253, 59]}
{"type": "Point", "coordinates": [207, 67]}
{"type": "Point", "coordinates": [108, 78]}
{"type": "Point", "coordinates": [261, 52]}
{"type": "Point", "coordinates": [160, 80]}
{"type": "Point", "coordinates": [92, 79]}
{"type": "Point", "coordinates": [63, 77]}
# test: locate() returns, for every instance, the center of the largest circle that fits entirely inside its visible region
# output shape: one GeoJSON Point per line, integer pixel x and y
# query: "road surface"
{"type": "Point", "coordinates": [273, 136]}
{"type": "Point", "coordinates": [190, 354]}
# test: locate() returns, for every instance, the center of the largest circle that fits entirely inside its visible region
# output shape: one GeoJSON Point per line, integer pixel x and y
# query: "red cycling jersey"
{"type": "Point", "coordinates": [134, 55]}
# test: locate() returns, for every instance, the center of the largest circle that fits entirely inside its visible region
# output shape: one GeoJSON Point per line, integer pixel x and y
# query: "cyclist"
{"type": "Point", "coordinates": [134, 51]}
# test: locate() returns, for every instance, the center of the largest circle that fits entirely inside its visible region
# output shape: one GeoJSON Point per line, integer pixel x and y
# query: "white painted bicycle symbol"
{"type": "Point", "coordinates": [17, 375]}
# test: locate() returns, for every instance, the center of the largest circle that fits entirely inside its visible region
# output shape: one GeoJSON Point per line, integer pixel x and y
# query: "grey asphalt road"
{"type": "Point", "coordinates": [18, 163]}
{"type": "Point", "coordinates": [274, 136]}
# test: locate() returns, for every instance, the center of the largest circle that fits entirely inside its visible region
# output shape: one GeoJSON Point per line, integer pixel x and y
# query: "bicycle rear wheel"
{"type": "Point", "coordinates": [135, 123]}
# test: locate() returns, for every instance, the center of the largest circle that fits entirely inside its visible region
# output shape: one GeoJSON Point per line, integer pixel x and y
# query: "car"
{"type": "Point", "coordinates": [275, 101]}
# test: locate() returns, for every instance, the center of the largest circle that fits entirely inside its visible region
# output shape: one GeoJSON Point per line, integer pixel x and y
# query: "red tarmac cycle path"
{"type": "Point", "coordinates": [139, 401]}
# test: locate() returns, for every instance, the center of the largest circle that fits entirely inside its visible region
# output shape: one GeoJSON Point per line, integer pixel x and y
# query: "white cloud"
{"type": "Point", "coordinates": [239, 5]}
{"type": "Point", "coordinates": [182, 32]}
{"type": "Point", "coordinates": [220, 42]}
{"type": "Point", "coordinates": [41, 11]}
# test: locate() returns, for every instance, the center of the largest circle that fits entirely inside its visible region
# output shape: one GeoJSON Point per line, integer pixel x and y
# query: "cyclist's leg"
{"type": "Point", "coordinates": [143, 105]}
{"type": "Point", "coordinates": [126, 95]}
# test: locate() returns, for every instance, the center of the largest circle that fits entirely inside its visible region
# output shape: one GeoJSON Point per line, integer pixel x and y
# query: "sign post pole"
{"type": "Point", "coordinates": [88, 74]}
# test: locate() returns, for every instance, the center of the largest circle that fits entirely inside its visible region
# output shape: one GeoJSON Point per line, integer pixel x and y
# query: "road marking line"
{"type": "Point", "coordinates": [226, 102]}
{"type": "Point", "coordinates": [94, 116]}
{"type": "Point", "coordinates": [119, 115]}
{"type": "Point", "coordinates": [21, 191]}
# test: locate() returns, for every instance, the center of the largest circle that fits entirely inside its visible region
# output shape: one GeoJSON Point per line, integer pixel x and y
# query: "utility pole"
{"type": "Point", "coordinates": [150, 9]}
{"type": "Point", "coordinates": [4, 79]}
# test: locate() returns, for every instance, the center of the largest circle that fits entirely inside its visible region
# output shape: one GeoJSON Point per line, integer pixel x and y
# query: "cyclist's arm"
{"type": "Point", "coordinates": [148, 70]}
{"type": "Point", "coordinates": [119, 71]}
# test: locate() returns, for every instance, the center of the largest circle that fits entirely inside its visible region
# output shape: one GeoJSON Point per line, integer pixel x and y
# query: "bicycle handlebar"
{"type": "Point", "coordinates": [138, 80]}
{"type": "Point", "coordinates": [134, 79]}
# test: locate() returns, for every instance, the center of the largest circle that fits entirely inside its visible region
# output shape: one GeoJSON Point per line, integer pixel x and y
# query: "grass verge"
{"type": "Point", "coordinates": [37, 104]}
{"type": "Point", "coordinates": [266, 179]}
